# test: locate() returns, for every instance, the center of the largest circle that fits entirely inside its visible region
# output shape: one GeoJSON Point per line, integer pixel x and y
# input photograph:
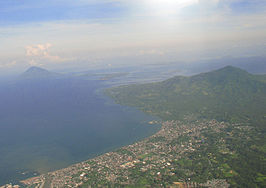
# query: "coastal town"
{"type": "Point", "coordinates": [157, 161]}
{"type": "Point", "coordinates": [10, 186]}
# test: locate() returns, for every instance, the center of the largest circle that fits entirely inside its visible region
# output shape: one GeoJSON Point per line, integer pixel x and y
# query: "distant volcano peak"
{"type": "Point", "coordinates": [38, 72]}
{"type": "Point", "coordinates": [35, 69]}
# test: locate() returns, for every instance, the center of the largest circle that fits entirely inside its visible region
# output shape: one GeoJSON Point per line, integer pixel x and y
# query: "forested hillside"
{"type": "Point", "coordinates": [230, 94]}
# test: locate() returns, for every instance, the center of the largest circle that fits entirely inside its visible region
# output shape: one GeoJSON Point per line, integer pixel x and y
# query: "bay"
{"type": "Point", "coordinates": [48, 124]}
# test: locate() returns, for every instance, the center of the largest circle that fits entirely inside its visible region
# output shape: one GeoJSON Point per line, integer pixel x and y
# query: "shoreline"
{"type": "Point", "coordinates": [142, 119]}
{"type": "Point", "coordinates": [153, 157]}
{"type": "Point", "coordinates": [155, 122]}
{"type": "Point", "coordinates": [41, 178]}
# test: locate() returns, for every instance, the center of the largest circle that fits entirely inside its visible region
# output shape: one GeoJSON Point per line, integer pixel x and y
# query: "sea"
{"type": "Point", "coordinates": [48, 124]}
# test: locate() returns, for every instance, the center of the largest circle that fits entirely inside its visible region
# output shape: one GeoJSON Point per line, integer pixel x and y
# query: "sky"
{"type": "Point", "coordinates": [86, 34]}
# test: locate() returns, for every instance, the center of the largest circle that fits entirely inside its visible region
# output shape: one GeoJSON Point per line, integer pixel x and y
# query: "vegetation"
{"type": "Point", "coordinates": [238, 153]}
{"type": "Point", "coordinates": [229, 94]}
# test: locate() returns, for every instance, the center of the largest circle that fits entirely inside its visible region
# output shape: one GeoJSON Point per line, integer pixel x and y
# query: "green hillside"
{"type": "Point", "coordinates": [237, 153]}
{"type": "Point", "coordinates": [228, 94]}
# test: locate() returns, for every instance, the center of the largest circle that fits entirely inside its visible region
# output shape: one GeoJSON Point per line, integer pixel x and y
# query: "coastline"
{"type": "Point", "coordinates": [41, 179]}
{"type": "Point", "coordinates": [125, 130]}
{"type": "Point", "coordinates": [153, 157]}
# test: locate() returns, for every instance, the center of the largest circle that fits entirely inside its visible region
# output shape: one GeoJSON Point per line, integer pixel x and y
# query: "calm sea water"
{"type": "Point", "coordinates": [50, 124]}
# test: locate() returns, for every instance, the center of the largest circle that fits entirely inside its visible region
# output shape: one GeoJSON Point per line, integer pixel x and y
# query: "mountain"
{"type": "Point", "coordinates": [256, 65]}
{"type": "Point", "coordinates": [38, 73]}
{"type": "Point", "coordinates": [227, 94]}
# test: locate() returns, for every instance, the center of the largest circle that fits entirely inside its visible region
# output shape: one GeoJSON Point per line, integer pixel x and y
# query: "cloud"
{"type": "Point", "coordinates": [38, 50]}
{"type": "Point", "coordinates": [41, 52]}
{"type": "Point", "coordinates": [8, 65]}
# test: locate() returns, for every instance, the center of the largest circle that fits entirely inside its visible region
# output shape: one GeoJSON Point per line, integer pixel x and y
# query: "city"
{"type": "Point", "coordinates": [154, 158]}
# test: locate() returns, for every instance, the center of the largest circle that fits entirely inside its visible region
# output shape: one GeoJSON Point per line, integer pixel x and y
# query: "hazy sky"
{"type": "Point", "coordinates": [84, 34]}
